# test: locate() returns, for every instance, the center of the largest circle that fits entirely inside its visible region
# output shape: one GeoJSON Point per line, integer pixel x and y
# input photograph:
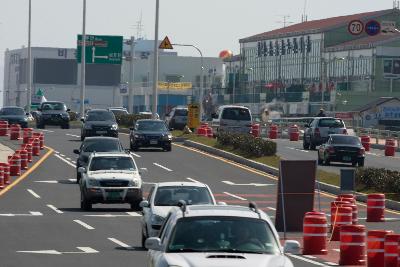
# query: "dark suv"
{"type": "Point", "coordinates": [52, 113]}
{"type": "Point", "coordinates": [99, 122]}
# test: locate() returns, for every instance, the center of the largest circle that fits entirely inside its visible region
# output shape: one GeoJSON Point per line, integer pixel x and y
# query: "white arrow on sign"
{"type": "Point", "coordinates": [251, 184]}
{"type": "Point", "coordinates": [31, 213]}
{"type": "Point", "coordinates": [83, 250]}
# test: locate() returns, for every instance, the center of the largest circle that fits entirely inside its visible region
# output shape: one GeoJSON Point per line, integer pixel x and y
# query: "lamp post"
{"type": "Point", "coordinates": [83, 61]}
{"type": "Point", "coordinates": [29, 82]}
{"type": "Point", "coordinates": [131, 75]}
{"type": "Point", "coordinates": [235, 68]}
{"type": "Point", "coordinates": [155, 63]}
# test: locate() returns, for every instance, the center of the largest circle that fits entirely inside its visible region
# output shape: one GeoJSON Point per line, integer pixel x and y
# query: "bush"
{"type": "Point", "coordinates": [247, 144]}
{"type": "Point", "coordinates": [129, 119]}
{"type": "Point", "coordinates": [379, 180]}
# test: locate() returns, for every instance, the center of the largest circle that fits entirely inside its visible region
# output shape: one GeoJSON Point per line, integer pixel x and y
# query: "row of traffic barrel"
{"type": "Point", "coordinates": [293, 131]}
{"type": "Point", "coordinates": [205, 130]}
{"type": "Point", "coordinates": [32, 143]}
{"type": "Point", "coordinates": [357, 245]}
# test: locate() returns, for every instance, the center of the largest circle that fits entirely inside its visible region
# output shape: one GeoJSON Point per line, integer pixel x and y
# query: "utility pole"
{"type": "Point", "coordinates": [29, 82]}
{"type": "Point", "coordinates": [131, 75]}
{"type": "Point", "coordinates": [83, 61]}
{"type": "Point", "coordinates": [155, 63]}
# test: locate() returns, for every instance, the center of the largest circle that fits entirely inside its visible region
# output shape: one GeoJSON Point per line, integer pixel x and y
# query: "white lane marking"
{"type": "Point", "coordinates": [136, 155]}
{"type": "Point", "coordinates": [31, 213]}
{"type": "Point", "coordinates": [128, 214]}
{"type": "Point", "coordinates": [54, 208]}
{"type": "Point", "coordinates": [193, 180]}
{"type": "Point", "coordinates": [48, 182]}
{"type": "Point", "coordinates": [57, 152]}
{"type": "Point", "coordinates": [69, 159]}
{"type": "Point", "coordinates": [234, 196]}
{"type": "Point", "coordinates": [309, 256]}
{"type": "Point", "coordinates": [331, 263]}
{"type": "Point", "coordinates": [271, 208]}
{"type": "Point", "coordinates": [298, 149]}
{"type": "Point", "coordinates": [119, 243]}
{"type": "Point", "coordinates": [83, 250]}
{"type": "Point", "coordinates": [50, 252]}
{"type": "Point", "coordinates": [336, 249]}
{"type": "Point", "coordinates": [36, 213]}
{"type": "Point", "coordinates": [251, 184]}
{"type": "Point", "coordinates": [49, 131]}
{"type": "Point", "coordinates": [87, 226]}
{"type": "Point", "coordinates": [66, 161]}
{"type": "Point", "coordinates": [306, 260]}
{"type": "Point", "coordinates": [87, 250]}
{"type": "Point", "coordinates": [162, 167]}
{"type": "Point", "coordinates": [73, 135]}
{"type": "Point", "coordinates": [62, 155]}
{"type": "Point", "coordinates": [33, 193]}
{"type": "Point", "coordinates": [134, 214]}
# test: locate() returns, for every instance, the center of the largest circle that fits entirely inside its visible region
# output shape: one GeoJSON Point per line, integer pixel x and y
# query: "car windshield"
{"type": "Point", "coordinates": [238, 114]}
{"type": "Point", "coordinates": [223, 234]}
{"type": "Point", "coordinates": [170, 195]}
{"type": "Point", "coordinates": [181, 112]}
{"type": "Point", "coordinates": [12, 111]}
{"type": "Point", "coordinates": [331, 123]}
{"type": "Point", "coordinates": [112, 163]}
{"type": "Point", "coordinates": [119, 112]}
{"type": "Point", "coordinates": [54, 106]}
{"type": "Point", "coordinates": [345, 140]}
{"type": "Point", "coordinates": [100, 116]}
{"type": "Point", "coordinates": [151, 126]}
{"type": "Point", "coordinates": [101, 145]}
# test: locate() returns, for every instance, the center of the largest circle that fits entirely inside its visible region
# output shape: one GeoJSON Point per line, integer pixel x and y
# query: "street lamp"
{"type": "Point", "coordinates": [83, 61]}
{"type": "Point", "coordinates": [155, 63]}
{"type": "Point", "coordinates": [29, 83]}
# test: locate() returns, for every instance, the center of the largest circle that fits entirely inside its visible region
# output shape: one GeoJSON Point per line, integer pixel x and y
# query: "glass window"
{"type": "Point", "coordinates": [236, 114]}
{"type": "Point", "coordinates": [100, 116]}
{"type": "Point", "coordinates": [170, 195]}
{"type": "Point", "coordinates": [331, 123]}
{"type": "Point", "coordinates": [54, 106]}
{"type": "Point", "coordinates": [345, 140]}
{"type": "Point", "coordinates": [223, 234]}
{"type": "Point", "coordinates": [181, 112]}
{"type": "Point", "coordinates": [151, 126]}
{"type": "Point", "coordinates": [102, 145]}
{"type": "Point", "coordinates": [112, 163]}
{"type": "Point", "coordinates": [12, 111]}
{"type": "Point", "coordinates": [396, 66]}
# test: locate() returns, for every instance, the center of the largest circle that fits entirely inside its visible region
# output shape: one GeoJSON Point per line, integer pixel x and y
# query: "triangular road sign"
{"type": "Point", "coordinates": [166, 44]}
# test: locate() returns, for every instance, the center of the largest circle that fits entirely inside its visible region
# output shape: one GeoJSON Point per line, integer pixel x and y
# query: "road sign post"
{"type": "Point", "coordinates": [356, 27]}
{"type": "Point", "coordinates": [193, 116]}
{"type": "Point", "coordinates": [372, 27]}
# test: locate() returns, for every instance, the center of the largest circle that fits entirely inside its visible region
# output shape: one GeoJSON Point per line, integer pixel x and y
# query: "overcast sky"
{"type": "Point", "coordinates": [212, 25]}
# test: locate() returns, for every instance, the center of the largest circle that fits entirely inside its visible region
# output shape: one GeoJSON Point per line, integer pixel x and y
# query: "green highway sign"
{"type": "Point", "coordinates": [101, 49]}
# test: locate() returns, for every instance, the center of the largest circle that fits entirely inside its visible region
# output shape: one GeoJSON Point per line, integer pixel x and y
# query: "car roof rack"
{"type": "Point", "coordinates": [253, 207]}
{"type": "Point", "coordinates": [182, 206]}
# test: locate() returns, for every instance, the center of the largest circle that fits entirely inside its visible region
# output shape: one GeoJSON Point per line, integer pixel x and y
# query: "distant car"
{"type": "Point", "coordinates": [232, 119]}
{"type": "Point", "coordinates": [177, 118]}
{"type": "Point", "coordinates": [15, 115]}
{"type": "Point", "coordinates": [150, 133]}
{"type": "Point", "coordinates": [165, 195]}
{"type": "Point", "coordinates": [118, 113]}
{"type": "Point", "coordinates": [318, 131]}
{"type": "Point", "coordinates": [99, 122]}
{"type": "Point", "coordinates": [95, 144]}
{"type": "Point", "coordinates": [198, 236]}
{"type": "Point", "coordinates": [149, 114]}
{"type": "Point", "coordinates": [110, 178]}
{"type": "Point", "coordinates": [53, 113]}
{"type": "Point", "coordinates": [342, 148]}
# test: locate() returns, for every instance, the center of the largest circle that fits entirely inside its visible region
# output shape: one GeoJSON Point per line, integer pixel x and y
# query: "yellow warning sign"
{"type": "Point", "coordinates": [166, 44]}
{"type": "Point", "coordinates": [193, 116]}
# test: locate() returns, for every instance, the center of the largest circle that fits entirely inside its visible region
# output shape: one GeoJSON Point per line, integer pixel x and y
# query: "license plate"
{"type": "Point", "coordinates": [347, 158]}
{"type": "Point", "coordinates": [113, 195]}
{"type": "Point", "coordinates": [101, 132]}
{"type": "Point", "coordinates": [153, 142]}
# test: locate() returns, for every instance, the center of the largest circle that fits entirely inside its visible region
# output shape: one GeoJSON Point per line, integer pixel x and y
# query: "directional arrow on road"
{"type": "Point", "coordinates": [251, 184]}
{"type": "Point", "coordinates": [31, 213]}
{"type": "Point", "coordinates": [83, 250]}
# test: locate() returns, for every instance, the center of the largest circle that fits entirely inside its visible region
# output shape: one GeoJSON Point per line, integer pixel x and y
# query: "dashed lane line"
{"type": "Point", "coordinates": [162, 167]}
{"type": "Point", "coordinates": [73, 135]}
{"type": "Point", "coordinates": [49, 131]}
{"type": "Point", "coordinates": [55, 209]}
{"type": "Point", "coordinates": [306, 260]}
{"type": "Point", "coordinates": [136, 155]}
{"type": "Point", "coordinates": [66, 161]}
{"type": "Point", "coordinates": [193, 180]}
{"type": "Point", "coordinates": [87, 226]}
{"type": "Point", "coordinates": [119, 243]}
{"type": "Point", "coordinates": [298, 149]}
{"type": "Point", "coordinates": [234, 196]}
{"type": "Point", "coordinates": [33, 193]}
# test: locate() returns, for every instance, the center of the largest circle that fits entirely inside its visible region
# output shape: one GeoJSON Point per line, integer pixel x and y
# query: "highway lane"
{"type": "Point", "coordinates": [60, 231]}
{"type": "Point", "coordinates": [375, 158]}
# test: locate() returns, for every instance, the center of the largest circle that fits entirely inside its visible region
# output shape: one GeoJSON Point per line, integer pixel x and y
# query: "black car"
{"type": "Point", "coordinates": [99, 122]}
{"type": "Point", "coordinates": [95, 144]}
{"type": "Point", "coordinates": [53, 113]}
{"type": "Point", "coordinates": [14, 115]}
{"type": "Point", "coordinates": [342, 148]}
{"type": "Point", "coordinates": [150, 133]}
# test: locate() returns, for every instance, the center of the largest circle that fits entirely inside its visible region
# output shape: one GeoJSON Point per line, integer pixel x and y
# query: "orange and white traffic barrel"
{"type": "Point", "coordinates": [27, 133]}
{"type": "Point", "coordinates": [15, 165]}
{"type": "Point", "coordinates": [342, 216]}
{"type": "Point", "coordinates": [273, 131]}
{"type": "Point", "coordinates": [376, 208]}
{"type": "Point", "coordinates": [390, 147]}
{"type": "Point", "coordinates": [24, 158]}
{"type": "Point", "coordinates": [294, 133]}
{"type": "Point", "coordinates": [255, 129]}
{"type": "Point", "coordinates": [6, 172]}
{"type": "Point", "coordinates": [15, 130]}
{"type": "Point", "coordinates": [334, 206]}
{"type": "Point", "coordinates": [28, 148]}
{"type": "Point", "coordinates": [366, 142]}
{"type": "Point", "coordinates": [41, 139]}
{"type": "Point", "coordinates": [376, 247]}
{"type": "Point", "coordinates": [2, 184]}
{"type": "Point", "coordinates": [36, 147]}
{"type": "Point", "coordinates": [209, 132]}
{"type": "Point", "coordinates": [315, 233]}
{"type": "Point", "coordinates": [352, 245]}
{"type": "Point", "coordinates": [346, 197]}
{"type": "Point", "coordinates": [3, 128]}
{"type": "Point", "coordinates": [392, 250]}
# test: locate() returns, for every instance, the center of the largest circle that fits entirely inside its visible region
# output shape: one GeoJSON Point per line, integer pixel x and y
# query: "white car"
{"type": "Point", "coordinates": [163, 196]}
{"type": "Point", "coordinates": [110, 178]}
{"type": "Point", "coordinates": [224, 236]}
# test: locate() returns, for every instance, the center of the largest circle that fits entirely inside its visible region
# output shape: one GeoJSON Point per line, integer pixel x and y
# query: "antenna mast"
{"type": "Point", "coordinates": [304, 16]}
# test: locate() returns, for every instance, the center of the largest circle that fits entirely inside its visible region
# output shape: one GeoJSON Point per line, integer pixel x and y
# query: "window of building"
{"type": "Point", "coordinates": [387, 66]}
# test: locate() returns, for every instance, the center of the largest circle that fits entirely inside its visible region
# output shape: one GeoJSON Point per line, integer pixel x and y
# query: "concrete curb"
{"type": "Point", "coordinates": [335, 190]}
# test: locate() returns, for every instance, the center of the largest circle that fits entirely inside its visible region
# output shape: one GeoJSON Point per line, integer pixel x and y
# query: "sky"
{"type": "Point", "coordinates": [212, 25]}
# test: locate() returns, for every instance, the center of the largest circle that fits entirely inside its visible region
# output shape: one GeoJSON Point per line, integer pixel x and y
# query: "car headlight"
{"type": "Point", "coordinates": [156, 220]}
{"type": "Point", "coordinates": [65, 115]}
{"type": "Point", "coordinates": [134, 182]}
{"type": "Point", "coordinates": [138, 136]}
{"type": "Point", "coordinates": [88, 126]}
{"type": "Point", "coordinates": [167, 137]}
{"type": "Point", "coordinates": [93, 182]}
{"type": "Point", "coordinates": [114, 127]}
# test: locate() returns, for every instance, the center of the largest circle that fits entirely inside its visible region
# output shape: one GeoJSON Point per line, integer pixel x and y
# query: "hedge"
{"type": "Point", "coordinates": [247, 144]}
{"type": "Point", "coordinates": [378, 180]}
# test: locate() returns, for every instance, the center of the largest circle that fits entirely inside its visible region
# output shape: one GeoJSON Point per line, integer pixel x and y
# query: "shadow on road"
{"type": "Point", "coordinates": [97, 210]}
{"type": "Point", "coordinates": [131, 248]}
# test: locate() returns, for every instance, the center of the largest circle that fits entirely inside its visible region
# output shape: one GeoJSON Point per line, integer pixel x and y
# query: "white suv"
{"type": "Point", "coordinates": [110, 178]}
{"type": "Point", "coordinates": [218, 236]}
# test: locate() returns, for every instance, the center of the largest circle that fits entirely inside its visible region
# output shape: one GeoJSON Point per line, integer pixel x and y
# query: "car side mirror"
{"type": "Point", "coordinates": [68, 109]}
{"type": "Point", "coordinates": [153, 243]}
{"type": "Point", "coordinates": [292, 247]}
{"type": "Point", "coordinates": [82, 119]}
{"type": "Point", "coordinates": [81, 169]}
{"type": "Point", "coordinates": [76, 151]}
{"type": "Point", "coordinates": [144, 204]}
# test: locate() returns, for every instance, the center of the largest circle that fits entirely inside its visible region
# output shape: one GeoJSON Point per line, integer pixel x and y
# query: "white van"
{"type": "Point", "coordinates": [233, 119]}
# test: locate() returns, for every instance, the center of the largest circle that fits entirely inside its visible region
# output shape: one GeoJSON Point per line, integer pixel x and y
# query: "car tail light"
{"type": "Point", "coordinates": [317, 132]}
{"type": "Point", "coordinates": [331, 150]}
{"type": "Point", "coordinates": [344, 131]}
{"type": "Point", "coordinates": [361, 152]}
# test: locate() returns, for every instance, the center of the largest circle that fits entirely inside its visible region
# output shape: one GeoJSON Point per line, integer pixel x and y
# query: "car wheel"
{"type": "Point", "coordinates": [78, 177]}
{"type": "Point", "coordinates": [82, 137]}
{"type": "Point", "coordinates": [86, 205]}
{"type": "Point", "coordinates": [361, 163]}
{"type": "Point", "coordinates": [312, 146]}
{"type": "Point", "coordinates": [306, 146]}
{"type": "Point", "coordinates": [168, 148]}
{"type": "Point", "coordinates": [327, 162]}
{"type": "Point", "coordinates": [143, 239]}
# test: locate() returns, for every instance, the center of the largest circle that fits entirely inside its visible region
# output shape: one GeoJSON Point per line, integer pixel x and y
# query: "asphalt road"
{"type": "Point", "coordinates": [42, 225]}
{"type": "Point", "coordinates": [374, 158]}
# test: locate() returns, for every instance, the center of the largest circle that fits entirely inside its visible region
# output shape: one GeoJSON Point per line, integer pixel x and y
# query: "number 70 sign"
{"type": "Point", "coordinates": [356, 27]}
